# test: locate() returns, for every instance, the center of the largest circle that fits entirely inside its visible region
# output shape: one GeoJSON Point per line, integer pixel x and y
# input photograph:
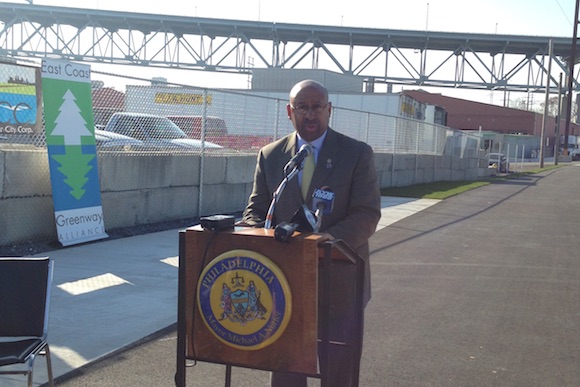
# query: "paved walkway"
{"type": "Point", "coordinates": [112, 293]}
{"type": "Point", "coordinates": [481, 289]}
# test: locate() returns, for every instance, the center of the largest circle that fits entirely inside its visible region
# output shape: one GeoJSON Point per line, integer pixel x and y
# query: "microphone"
{"type": "Point", "coordinates": [284, 231]}
{"type": "Point", "coordinates": [322, 204]}
{"type": "Point", "coordinates": [305, 218]}
{"type": "Point", "coordinates": [291, 169]}
{"type": "Point", "coordinates": [323, 201]}
{"type": "Point", "coordinates": [296, 161]}
{"type": "Point", "coordinates": [303, 221]}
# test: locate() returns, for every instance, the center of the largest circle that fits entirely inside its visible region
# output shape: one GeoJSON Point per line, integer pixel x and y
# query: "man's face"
{"type": "Point", "coordinates": [309, 111]}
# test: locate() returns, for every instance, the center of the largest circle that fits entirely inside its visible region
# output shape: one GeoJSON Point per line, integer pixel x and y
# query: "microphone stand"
{"type": "Point", "coordinates": [318, 216]}
{"type": "Point", "coordinates": [278, 192]}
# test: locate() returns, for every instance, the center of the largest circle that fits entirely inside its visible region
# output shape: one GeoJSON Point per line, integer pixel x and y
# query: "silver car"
{"type": "Point", "coordinates": [115, 141]}
{"type": "Point", "coordinates": [155, 132]}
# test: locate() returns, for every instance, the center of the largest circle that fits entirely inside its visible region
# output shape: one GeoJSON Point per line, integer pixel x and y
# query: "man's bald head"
{"type": "Point", "coordinates": [308, 83]}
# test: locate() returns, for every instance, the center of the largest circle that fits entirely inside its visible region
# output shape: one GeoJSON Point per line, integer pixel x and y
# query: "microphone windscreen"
{"type": "Point", "coordinates": [323, 198]}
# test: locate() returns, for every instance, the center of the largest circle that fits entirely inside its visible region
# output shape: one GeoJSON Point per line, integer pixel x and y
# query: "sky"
{"type": "Point", "coordinates": [517, 17]}
{"type": "Point", "coordinates": [526, 17]}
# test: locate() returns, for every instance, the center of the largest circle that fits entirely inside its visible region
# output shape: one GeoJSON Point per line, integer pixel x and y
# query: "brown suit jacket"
{"type": "Point", "coordinates": [347, 167]}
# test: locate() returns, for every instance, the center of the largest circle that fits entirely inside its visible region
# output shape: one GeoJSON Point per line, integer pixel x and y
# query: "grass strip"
{"type": "Point", "coordinates": [443, 189]}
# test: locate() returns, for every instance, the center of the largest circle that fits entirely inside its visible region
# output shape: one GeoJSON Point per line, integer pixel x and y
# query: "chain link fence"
{"type": "Point", "coordinates": [162, 120]}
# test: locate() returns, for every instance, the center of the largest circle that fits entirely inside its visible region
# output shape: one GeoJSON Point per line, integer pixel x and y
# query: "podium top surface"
{"type": "Point", "coordinates": [340, 250]}
{"type": "Point", "coordinates": [258, 232]}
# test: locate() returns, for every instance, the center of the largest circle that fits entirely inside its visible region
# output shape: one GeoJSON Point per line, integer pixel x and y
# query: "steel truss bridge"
{"type": "Point", "coordinates": [379, 56]}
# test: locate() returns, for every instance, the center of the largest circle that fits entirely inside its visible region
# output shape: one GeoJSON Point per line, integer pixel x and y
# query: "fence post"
{"type": "Point", "coordinates": [508, 157]}
{"type": "Point", "coordinates": [416, 151]}
{"type": "Point", "coordinates": [202, 156]}
{"type": "Point", "coordinates": [277, 123]}
{"type": "Point", "coordinates": [367, 129]}
{"type": "Point", "coordinates": [394, 154]}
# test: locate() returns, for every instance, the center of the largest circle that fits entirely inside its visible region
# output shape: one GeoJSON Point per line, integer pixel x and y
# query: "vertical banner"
{"type": "Point", "coordinates": [72, 151]}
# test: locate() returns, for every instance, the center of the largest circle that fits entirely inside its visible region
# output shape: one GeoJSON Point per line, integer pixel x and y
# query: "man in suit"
{"type": "Point", "coordinates": [347, 167]}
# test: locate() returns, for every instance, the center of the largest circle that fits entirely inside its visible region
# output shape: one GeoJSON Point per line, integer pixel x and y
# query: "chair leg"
{"type": "Point", "coordinates": [30, 369]}
{"type": "Point", "coordinates": [48, 365]}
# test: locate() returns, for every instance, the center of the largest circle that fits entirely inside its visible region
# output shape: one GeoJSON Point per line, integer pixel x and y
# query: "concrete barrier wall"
{"type": "Point", "coordinates": [139, 189]}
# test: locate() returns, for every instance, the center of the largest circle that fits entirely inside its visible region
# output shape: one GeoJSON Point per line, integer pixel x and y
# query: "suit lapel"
{"type": "Point", "coordinates": [327, 159]}
{"type": "Point", "coordinates": [290, 150]}
{"type": "Point", "coordinates": [290, 147]}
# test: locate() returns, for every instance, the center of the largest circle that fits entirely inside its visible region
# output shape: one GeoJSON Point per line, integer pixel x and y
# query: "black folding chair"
{"type": "Point", "coordinates": [24, 303]}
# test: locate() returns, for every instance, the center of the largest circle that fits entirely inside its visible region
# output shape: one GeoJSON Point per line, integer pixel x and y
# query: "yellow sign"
{"type": "Point", "coordinates": [181, 99]}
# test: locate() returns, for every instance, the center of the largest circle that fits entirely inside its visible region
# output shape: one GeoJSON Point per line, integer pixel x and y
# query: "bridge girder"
{"type": "Point", "coordinates": [381, 56]}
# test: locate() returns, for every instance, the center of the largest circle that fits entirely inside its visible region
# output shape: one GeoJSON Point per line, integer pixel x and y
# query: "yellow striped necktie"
{"type": "Point", "coordinates": [307, 173]}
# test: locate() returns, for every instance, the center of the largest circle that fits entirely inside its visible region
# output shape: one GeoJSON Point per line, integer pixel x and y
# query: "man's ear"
{"type": "Point", "coordinates": [289, 111]}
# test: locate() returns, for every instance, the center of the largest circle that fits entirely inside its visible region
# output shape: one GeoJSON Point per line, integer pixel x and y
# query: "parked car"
{"type": "Point", "coordinates": [114, 141]}
{"type": "Point", "coordinates": [216, 131]}
{"type": "Point", "coordinates": [155, 132]}
{"type": "Point", "coordinates": [192, 125]}
{"type": "Point", "coordinates": [499, 161]}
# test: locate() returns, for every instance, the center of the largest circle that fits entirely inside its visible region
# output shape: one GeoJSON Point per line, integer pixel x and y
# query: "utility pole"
{"type": "Point", "coordinates": [571, 78]}
{"type": "Point", "coordinates": [558, 120]}
{"type": "Point", "coordinates": [547, 99]}
{"type": "Point", "coordinates": [427, 19]}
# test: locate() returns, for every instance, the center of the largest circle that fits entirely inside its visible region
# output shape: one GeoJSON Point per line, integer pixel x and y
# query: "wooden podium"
{"type": "Point", "coordinates": [248, 300]}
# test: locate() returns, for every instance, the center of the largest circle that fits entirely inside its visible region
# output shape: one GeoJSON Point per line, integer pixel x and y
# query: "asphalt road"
{"type": "Point", "coordinates": [481, 289]}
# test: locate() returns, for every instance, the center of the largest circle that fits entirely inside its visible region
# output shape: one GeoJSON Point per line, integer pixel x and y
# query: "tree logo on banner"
{"type": "Point", "coordinates": [74, 165]}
